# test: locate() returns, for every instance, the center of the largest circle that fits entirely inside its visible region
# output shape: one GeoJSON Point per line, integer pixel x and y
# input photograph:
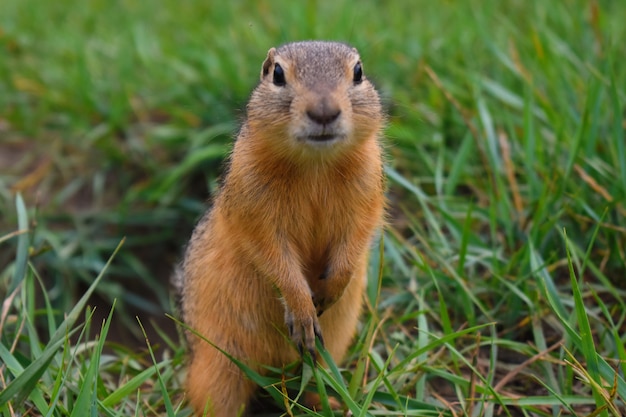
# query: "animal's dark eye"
{"type": "Point", "coordinates": [279, 76]}
{"type": "Point", "coordinates": [358, 73]}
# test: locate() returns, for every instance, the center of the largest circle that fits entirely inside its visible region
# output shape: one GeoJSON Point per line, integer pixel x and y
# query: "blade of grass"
{"type": "Point", "coordinates": [615, 332]}
{"type": "Point", "coordinates": [333, 379]}
{"type": "Point", "coordinates": [585, 332]}
{"type": "Point", "coordinates": [21, 258]}
{"type": "Point", "coordinates": [166, 398]}
{"type": "Point", "coordinates": [61, 378]}
{"type": "Point", "coordinates": [321, 390]}
{"type": "Point", "coordinates": [21, 387]}
{"type": "Point", "coordinates": [362, 360]}
{"type": "Point", "coordinates": [14, 366]}
{"type": "Point", "coordinates": [87, 401]}
{"type": "Point", "coordinates": [380, 378]}
{"type": "Point", "coordinates": [554, 300]}
{"type": "Point", "coordinates": [126, 390]}
{"type": "Point", "coordinates": [618, 131]}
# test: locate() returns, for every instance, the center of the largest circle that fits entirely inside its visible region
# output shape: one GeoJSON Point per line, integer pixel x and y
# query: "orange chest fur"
{"type": "Point", "coordinates": [312, 211]}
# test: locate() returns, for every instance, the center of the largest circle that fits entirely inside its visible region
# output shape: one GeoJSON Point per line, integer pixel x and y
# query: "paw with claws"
{"type": "Point", "coordinates": [303, 328]}
{"type": "Point", "coordinates": [329, 289]}
{"type": "Point", "coordinates": [322, 302]}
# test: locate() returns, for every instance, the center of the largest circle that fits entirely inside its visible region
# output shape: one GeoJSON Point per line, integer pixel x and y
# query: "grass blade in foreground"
{"type": "Point", "coordinates": [23, 384]}
{"type": "Point", "coordinates": [87, 401]}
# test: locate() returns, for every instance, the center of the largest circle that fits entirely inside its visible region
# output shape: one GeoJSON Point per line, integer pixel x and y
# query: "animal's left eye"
{"type": "Point", "coordinates": [358, 73]}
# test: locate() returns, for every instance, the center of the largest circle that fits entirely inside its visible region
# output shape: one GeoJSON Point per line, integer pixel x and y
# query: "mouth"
{"type": "Point", "coordinates": [322, 138]}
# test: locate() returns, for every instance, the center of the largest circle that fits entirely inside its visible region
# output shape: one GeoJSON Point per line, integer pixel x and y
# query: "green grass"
{"type": "Point", "coordinates": [501, 272]}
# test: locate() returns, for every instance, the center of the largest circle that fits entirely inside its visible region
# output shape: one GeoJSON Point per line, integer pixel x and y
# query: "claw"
{"type": "Point", "coordinates": [313, 354]}
{"type": "Point", "coordinates": [318, 333]}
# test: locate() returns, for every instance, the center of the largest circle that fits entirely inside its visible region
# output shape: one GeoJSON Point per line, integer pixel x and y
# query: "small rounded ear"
{"type": "Point", "coordinates": [356, 52]}
{"type": "Point", "coordinates": [268, 62]}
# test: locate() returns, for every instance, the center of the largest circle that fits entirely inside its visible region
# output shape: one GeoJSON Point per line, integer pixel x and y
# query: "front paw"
{"type": "Point", "coordinates": [303, 327]}
{"type": "Point", "coordinates": [328, 289]}
{"type": "Point", "coordinates": [322, 302]}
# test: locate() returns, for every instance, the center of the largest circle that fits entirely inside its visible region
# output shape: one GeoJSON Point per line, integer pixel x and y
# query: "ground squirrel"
{"type": "Point", "coordinates": [283, 251]}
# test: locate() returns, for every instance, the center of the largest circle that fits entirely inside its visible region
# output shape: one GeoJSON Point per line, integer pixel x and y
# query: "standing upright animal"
{"type": "Point", "coordinates": [284, 248]}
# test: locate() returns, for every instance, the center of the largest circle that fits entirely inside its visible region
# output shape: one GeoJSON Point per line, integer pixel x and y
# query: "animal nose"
{"type": "Point", "coordinates": [324, 112]}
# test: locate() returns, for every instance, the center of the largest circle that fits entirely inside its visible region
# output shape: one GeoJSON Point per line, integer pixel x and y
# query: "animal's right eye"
{"type": "Point", "coordinates": [279, 76]}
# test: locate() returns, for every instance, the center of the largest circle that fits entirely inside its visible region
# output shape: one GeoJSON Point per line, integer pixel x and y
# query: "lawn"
{"type": "Point", "coordinates": [498, 287]}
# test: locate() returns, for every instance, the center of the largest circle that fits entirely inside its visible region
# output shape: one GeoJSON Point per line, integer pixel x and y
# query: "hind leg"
{"type": "Point", "coordinates": [339, 324]}
{"type": "Point", "coordinates": [216, 387]}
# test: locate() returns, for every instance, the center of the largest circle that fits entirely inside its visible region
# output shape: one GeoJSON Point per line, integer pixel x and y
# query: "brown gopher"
{"type": "Point", "coordinates": [284, 249]}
